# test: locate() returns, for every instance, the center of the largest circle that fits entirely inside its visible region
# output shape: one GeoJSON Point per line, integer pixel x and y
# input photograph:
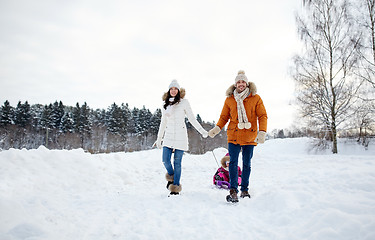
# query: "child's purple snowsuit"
{"type": "Point", "coordinates": [221, 177]}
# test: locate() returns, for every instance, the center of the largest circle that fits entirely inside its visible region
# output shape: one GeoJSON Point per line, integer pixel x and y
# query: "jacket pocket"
{"type": "Point", "coordinates": [232, 134]}
{"type": "Point", "coordinates": [248, 135]}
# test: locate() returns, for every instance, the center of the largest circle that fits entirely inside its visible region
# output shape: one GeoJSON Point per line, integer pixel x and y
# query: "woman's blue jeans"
{"type": "Point", "coordinates": [177, 159]}
{"type": "Point", "coordinates": [247, 154]}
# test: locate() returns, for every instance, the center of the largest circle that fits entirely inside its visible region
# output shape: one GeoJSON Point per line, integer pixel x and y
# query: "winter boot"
{"type": "Point", "coordinates": [169, 183]}
{"type": "Point", "coordinates": [169, 178]}
{"type": "Point", "coordinates": [175, 189]}
{"type": "Point", "coordinates": [232, 197]}
{"type": "Point", "coordinates": [245, 194]}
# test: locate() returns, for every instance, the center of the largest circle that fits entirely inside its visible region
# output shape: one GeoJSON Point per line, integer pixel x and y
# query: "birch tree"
{"type": "Point", "coordinates": [325, 84]}
{"type": "Point", "coordinates": [365, 17]}
{"type": "Point", "coordinates": [363, 121]}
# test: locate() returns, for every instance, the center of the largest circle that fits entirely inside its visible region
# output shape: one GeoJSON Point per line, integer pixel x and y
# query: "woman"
{"type": "Point", "coordinates": [172, 135]}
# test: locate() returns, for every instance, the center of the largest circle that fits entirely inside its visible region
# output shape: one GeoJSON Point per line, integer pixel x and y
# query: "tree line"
{"type": "Point", "coordinates": [120, 128]}
{"type": "Point", "coordinates": [117, 128]}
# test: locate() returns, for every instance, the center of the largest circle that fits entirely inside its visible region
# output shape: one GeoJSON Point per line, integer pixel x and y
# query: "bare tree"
{"type": "Point", "coordinates": [364, 123]}
{"type": "Point", "coordinates": [365, 17]}
{"type": "Point", "coordinates": [364, 117]}
{"type": "Point", "coordinates": [325, 85]}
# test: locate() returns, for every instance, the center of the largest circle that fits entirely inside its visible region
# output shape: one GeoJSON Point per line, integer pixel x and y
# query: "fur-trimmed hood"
{"type": "Point", "coordinates": [182, 94]}
{"type": "Point", "coordinates": [250, 85]}
{"type": "Point", "coordinates": [224, 160]}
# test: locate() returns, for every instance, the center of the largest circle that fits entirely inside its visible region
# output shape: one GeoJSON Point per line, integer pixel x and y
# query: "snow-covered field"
{"type": "Point", "coordinates": [60, 194]}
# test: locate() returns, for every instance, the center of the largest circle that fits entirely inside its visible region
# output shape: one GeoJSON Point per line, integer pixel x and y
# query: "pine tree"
{"type": "Point", "coordinates": [36, 112]}
{"type": "Point", "coordinates": [144, 119]}
{"type": "Point", "coordinates": [67, 123]}
{"type": "Point", "coordinates": [77, 118]}
{"type": "Point", "coordinates": [22, 116]}
{"type": "Point", "coordinates": [126, 116]}
{"type": "Point", "coordinates": [114, 119]}
{"type": "Point", "coordinates": [99, 118]}
{"type": "Point", "coordinates": [86, 125]}
{"type": "Point", "coordinates": [135, 127]}
{"type": "Point", "coordinates": [82, 121]}
{"type": "Point", "coordinates": [57, 112]}
{"type": "Point", "coordinates": [45, 120]}
{"type": "Point", "coordinates": [155, 122]}
{"type": "Point", "coordinates": [6, 114]}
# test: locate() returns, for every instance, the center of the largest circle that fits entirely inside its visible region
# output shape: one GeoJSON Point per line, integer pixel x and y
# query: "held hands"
{"type": "Point", "coordinates": [261, 137]}
{"type": "Point", "coordinates": [204, 134]}
{"type": "Point", "coordinates": [213, 132]}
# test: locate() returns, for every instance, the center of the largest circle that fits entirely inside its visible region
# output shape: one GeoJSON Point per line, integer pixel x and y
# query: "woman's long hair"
{"type": "Point", "coordinates": [177, 99]}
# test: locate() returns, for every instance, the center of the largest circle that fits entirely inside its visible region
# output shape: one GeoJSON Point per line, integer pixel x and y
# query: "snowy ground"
{"type": "Point", "coordinates": [60, 194]}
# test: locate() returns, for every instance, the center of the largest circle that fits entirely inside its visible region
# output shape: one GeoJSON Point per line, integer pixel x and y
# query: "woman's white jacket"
{"type": "Point", "coordinates": [172, 130]}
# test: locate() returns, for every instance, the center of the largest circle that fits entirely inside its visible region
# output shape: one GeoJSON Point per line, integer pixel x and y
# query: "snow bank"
{"type": "Point", "coordinates": [60, 194]}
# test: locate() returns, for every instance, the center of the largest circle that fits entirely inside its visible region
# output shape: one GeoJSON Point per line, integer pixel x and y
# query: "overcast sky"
{"type": "Point", "coordinates": [101, 52]}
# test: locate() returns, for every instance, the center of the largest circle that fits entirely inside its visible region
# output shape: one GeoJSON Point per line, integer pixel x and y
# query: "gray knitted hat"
{"type": "Point", "coordinates": [175, 84]}
{"type": "Point", "coordinates": [241, 76]}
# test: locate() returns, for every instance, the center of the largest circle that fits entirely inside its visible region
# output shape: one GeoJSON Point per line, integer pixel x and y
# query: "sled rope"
{"type": "Point", "coordinates": [215, 158]}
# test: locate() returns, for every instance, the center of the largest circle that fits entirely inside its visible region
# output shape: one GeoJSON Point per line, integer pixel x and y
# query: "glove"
{"type": "Point", "coordinates": [213, 132]}
{"type": "Point", "coordinates": [261, 137]}
{"type": "Point", "coordinates": [204, 134]}
{"type": "Point", "coordinates": [158, 143]}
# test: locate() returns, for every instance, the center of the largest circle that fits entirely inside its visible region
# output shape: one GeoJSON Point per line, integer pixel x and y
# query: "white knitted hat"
{"type": "Point", "coordinates": [175, 84]}
{"type": "Point", "coordinates": [241, 76]}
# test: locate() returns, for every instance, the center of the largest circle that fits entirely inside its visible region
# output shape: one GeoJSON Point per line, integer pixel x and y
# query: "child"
{"type": "Point", "coordinates": [221, 177]}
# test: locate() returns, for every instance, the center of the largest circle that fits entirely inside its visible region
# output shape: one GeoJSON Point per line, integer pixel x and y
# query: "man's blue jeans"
{"type": "Point", "coordinates": [176, 169]}
{"type": "Point", "coordinates": [247, 154]}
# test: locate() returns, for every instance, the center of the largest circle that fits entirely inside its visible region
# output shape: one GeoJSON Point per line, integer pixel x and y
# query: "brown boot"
{"type": "Point", "coordinates": [175, 189]}
{"type": "Point", "coordinates": [245, 194]}
{"type": "Point", "coordinates": [169, 178]}
{"type": "Point", "coordinates": [232, 197]}
{"type": "Point", "coordinates": [169, 183]}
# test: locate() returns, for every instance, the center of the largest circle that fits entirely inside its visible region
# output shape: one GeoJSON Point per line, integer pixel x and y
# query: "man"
{"type": "Point", "coordinates": [244, 109]}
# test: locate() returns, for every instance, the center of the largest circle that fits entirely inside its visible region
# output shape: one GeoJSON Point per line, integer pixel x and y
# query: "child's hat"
{"type": "Point", "coordinates": [224, 160]}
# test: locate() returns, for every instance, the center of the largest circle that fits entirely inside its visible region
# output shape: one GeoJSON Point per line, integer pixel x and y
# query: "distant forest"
{"type": "Point", "coordinates": [117, 128]}
{"type": "Point", "coordinates": [121, 128]}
